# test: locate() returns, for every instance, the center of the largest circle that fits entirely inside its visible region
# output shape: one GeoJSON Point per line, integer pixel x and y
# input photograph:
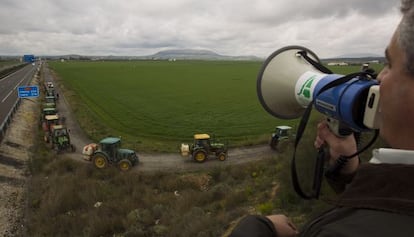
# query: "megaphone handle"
{"type": "Point", "coordinates": [338, 128]}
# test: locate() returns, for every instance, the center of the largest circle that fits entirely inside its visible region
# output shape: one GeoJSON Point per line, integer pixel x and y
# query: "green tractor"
{"type": "Point", "coordinates": [202, 147]}
{"type": "Point", "coordinates": [109, 151]}
{"type": "Point", "coordinates": [60, 139]}
{"type": "Point", "coordinates": [50, 102]}
{"type": "Point", "coordinates": [279, 138]}
{"type": "Point", "coordinates": [45, 112]}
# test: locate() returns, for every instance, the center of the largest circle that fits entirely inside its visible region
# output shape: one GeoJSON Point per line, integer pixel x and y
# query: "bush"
{"type": "Point", "coordinates": [265, 208]}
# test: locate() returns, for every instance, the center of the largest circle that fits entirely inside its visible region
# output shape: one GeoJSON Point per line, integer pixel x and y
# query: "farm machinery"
{"type": "Point", "coordinates": [55, 132]}
{"type": "Point", "coordinates": [109, 151]}
{"type": "Point", "coordinates": [49, 121]}
{"type": "Point", "coordinates": [281, 135]}
{"type": "Point", "coordinates": [60, 139]}
{"type": "Point", "coordinates": [202, 147]}
{"type": "Point", "coordinates": [50, 102]}
{"type": "Point", "coordinates": [48, 111]}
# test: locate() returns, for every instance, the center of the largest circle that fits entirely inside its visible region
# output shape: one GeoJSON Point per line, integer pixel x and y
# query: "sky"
{"type": "Point", "coordinates": [330, 28]}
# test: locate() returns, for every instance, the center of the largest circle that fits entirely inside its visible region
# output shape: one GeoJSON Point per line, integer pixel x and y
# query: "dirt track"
{"type": "Point", "coordinates": [16, 146]}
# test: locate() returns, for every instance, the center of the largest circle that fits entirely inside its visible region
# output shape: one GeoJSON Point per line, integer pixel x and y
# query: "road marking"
{"type": "Point", "coordinates": [7, 96]}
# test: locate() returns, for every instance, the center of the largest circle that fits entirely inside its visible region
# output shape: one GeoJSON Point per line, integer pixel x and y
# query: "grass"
{"type": "Point", "coordinates": [7, 63]}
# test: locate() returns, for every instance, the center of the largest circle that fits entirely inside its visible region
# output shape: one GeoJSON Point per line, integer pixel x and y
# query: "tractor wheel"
{"type": "Point", "coordinates": [100, 161]}
{"type": "Point", "coordinates": [222, 156]}
{"type": "Point", "coordinates": [274, 142]}
{"type": "Point", "coordinates": [124, 165]}
{"type": "Point", "coordinates": [200, 156]}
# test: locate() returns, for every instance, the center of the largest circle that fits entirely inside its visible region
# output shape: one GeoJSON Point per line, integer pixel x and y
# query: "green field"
{"type": "Point", "coordinates": [155, 104]}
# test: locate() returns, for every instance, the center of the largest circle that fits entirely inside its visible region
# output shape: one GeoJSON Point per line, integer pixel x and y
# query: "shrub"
{"type": "Point", "coordinates": [265, 208]}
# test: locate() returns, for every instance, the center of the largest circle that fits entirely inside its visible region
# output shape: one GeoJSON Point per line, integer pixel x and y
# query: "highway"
{"type": "Point", "coordinates": [9, 85]}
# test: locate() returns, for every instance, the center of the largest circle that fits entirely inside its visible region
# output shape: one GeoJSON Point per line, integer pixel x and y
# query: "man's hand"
{"type": "Point", "coordinates": [284, 227]}
{"type": "Point", "coordinates": [338, 146]}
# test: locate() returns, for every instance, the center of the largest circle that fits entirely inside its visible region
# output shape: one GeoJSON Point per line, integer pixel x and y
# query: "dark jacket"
{"type": "Point", "coordinates": [378, 202]}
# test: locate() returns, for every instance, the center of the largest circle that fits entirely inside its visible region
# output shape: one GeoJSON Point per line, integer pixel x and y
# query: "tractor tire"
{"type": "Point", "coordinates": [200, 156]}
{"type": "Point", "coordinates": [222, 156]}
{"type": "Point", "coordinates": [124, 165]}
{"type": "Point", "coordinates": [100, 161]}
{"type": "Point", "coordinates": [274, 142]}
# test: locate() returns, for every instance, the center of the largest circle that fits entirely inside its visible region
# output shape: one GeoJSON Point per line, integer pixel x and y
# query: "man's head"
{"type": "Point", "coordinates": [406, 37]}
{"type": "Point", "coordinates": [397, 84]}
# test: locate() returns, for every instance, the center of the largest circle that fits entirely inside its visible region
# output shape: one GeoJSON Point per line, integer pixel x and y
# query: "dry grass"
{"type": "Point", "coordinates": [70, 198]}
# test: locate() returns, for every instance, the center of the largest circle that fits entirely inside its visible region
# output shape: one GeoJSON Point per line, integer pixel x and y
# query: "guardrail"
{"type": "Point", "coordinates": [6, 123]}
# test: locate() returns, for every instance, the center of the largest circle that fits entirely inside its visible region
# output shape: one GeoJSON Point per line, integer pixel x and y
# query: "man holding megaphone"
{"type": "Point", "coordinates": [379, 197]}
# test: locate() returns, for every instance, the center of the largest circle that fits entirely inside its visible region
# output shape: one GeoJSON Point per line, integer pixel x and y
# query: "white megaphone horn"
{"type": "Point", "coordinates": [288, 83]}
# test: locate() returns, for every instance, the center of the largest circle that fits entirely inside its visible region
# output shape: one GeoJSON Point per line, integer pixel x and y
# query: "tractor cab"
{"type": "Point", "coordinates": [110, 145]}
{"type": "Point", "coordinates": [48, 111]}
{"type": "Point", "coordinates": [49, 122]}
{"type": "Point", "coordinates": [50, 99]}
{"type": "Point", "coordinates": [59, 131]}
{"type": "Point", "coordinates": [50, 102]}
{"type": "Point", "coordinates": [281, 133]}
{"type": "Point", "coordinates": [202, 141]}
{"type": "Point", "coordinates": [61, 139]}
{"type": "Point", "coordinates": [50, 92]}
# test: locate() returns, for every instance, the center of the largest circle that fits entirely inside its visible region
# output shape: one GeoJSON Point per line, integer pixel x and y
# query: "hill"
{"type": "Point", "coordinates": [196, 54]}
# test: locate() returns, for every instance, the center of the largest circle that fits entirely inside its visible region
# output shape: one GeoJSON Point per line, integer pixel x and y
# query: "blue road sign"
{"type": "Point", "coordinates": [28, 91]}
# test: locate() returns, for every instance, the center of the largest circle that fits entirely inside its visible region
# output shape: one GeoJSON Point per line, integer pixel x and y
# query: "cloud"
{"type": "Point", "coordinates": [231, 27]}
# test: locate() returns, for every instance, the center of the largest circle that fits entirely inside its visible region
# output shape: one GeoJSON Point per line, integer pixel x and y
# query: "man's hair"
{"type": "Point", "coordinates": [406, 33]}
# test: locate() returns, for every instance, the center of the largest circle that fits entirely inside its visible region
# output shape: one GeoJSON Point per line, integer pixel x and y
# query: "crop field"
{"type": "Point", "coordinates": [148, 102]}
{"type": "Point", "coordinates": [8, 63]}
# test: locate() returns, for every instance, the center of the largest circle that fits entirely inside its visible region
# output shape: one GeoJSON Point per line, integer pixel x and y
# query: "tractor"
{"type": "Point", "coordinates": [109, 151]}
{"type": "Point", "coordinates": [47, 125]}
{"type": "Point", "coordinates": [202, 147]}
{"type": "Point", "coordinates": [280, 136]}
{"type": "Point", "coordinates": [47, 111]}
{"type": "Point", "coordinates": [60, 139]}
{"type": "Point", "coordinates": [50, 102]}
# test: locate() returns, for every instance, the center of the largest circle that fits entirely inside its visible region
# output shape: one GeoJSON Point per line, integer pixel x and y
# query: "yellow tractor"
{"type": "Point", "coordinates": [202, 147]}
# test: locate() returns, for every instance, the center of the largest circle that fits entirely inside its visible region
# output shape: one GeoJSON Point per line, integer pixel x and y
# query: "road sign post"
{"type": "Point", "coordinates": [28, 91]}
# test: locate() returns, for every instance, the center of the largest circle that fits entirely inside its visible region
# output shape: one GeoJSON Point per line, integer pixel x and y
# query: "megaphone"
{"type": "Point", "coordinates": [289, 81]}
